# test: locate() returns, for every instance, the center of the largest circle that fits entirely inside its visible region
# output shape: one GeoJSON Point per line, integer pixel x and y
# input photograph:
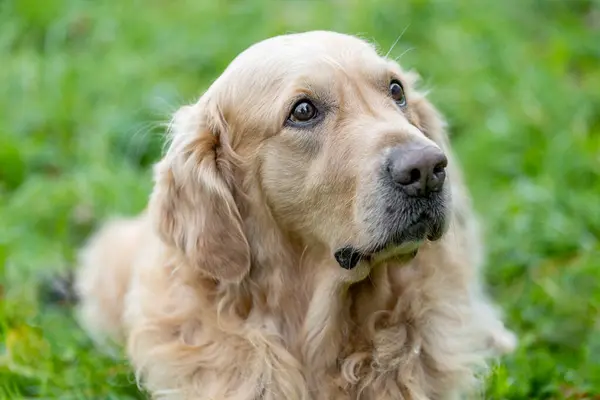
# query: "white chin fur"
{"type": "Point", "coordinates": [395, 251]}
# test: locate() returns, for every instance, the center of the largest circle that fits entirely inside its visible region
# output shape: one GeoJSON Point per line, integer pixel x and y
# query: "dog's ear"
{"type": "Point", "coordinates": [430, 121]}
{"type": "Point", "coordinates": [192, 203]}
{"type": "Point", "coordinates": [425, 115]}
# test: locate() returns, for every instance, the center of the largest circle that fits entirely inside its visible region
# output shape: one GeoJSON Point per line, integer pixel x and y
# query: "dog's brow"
{"type": "Point", "coordinates": [334, 63]}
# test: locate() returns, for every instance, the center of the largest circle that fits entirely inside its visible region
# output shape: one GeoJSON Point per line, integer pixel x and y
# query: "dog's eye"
{"type": "Point", "coordinates": [303, 111]}
{"type": "Point", "coordinates": [397, 93]}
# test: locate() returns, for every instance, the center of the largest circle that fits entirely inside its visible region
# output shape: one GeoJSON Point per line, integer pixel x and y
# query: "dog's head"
{"type": "Point", "coordinates": [343, 151]}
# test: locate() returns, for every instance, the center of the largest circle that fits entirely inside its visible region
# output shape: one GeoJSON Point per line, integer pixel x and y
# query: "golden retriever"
{"type": "Point", "coordinates": [309, 236]}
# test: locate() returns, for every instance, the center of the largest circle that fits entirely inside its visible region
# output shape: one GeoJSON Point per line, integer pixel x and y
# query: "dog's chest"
{"type": "Point", "coordinates": [354, 351]}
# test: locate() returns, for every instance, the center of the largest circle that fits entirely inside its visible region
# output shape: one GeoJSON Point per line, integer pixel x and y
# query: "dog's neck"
{"type": "Point", "coordinates": [297, 285]}
{"type": "Point", "coordinates": [297, 293]}
{"type": "Point", "coordinates": [303, 312]}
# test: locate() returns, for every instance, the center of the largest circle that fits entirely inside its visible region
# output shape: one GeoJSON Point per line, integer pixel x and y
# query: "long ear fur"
{"type": "Point", "coordinates": [425, 115]}
{"type": "Point", "coordinates": [192, 202]}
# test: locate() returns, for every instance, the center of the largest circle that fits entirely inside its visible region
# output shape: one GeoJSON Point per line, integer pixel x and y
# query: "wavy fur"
{"type": "Point", "coordinates": [226, 287]}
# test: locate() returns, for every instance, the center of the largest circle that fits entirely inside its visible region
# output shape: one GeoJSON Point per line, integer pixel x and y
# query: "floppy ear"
{"type": "Point", "coordinates": [428, 118]}
{"type": "Point", "coordinates": [192, 202]}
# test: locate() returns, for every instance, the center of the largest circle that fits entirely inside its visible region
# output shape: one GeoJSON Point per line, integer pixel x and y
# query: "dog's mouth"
{"type": "Point", "coordinates": [348, 257]}
{"type": "Point", "coordinates": [401, 246]}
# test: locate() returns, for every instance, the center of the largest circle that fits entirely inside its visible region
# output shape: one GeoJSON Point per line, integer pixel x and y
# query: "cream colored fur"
{"type": "Point", "coordinates": [226, 286]}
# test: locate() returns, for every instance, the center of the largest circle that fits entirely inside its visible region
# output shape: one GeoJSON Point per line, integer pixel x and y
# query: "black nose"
{"type": "Point", "coordinates": [418, 171]}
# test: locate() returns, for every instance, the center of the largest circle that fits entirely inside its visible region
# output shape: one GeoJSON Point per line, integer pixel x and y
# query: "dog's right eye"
{"type": "Point", "coordinates": [397, 93]}
{"type": "Point", "coordinates": [303, 111]}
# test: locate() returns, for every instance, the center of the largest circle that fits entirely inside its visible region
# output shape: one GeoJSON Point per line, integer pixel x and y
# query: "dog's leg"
{"type": "Point", "coordinates": [102, 279]}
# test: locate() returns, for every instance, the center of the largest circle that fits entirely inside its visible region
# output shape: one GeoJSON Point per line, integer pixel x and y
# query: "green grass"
{"type": "Point", "coordinates": [85, 87]}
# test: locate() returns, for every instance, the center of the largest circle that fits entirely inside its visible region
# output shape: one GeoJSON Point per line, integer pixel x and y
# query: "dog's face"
{"type": "Point", "coordinates": [345, 154]}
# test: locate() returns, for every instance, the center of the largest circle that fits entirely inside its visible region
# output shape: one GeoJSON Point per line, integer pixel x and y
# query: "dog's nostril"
{"type": "Point", "coordinates": [415, 175]}
{"type": "Point", "coordinates": [439, 168]}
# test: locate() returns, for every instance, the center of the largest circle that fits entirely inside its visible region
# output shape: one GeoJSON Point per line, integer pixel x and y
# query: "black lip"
{"type": "Point", "coordinates": [348, 257]}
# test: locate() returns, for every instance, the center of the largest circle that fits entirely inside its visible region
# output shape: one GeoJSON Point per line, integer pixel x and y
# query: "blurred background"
{"type": "Point", "coordinates": [86, 87]}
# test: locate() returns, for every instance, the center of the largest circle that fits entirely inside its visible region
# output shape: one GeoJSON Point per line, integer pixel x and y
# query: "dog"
{"type": "Point", "coordinates": [309, 236]}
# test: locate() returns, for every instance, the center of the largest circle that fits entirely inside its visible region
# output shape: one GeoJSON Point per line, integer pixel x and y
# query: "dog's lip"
{"type": "Point", "coordinates": [403, 246]}
{"type": "Point", "coordinates": [348, 257]}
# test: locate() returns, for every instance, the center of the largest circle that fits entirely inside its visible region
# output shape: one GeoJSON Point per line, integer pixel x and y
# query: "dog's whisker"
{"type": "Point", "coordinates": [396, 41]}
{"type": "Point", "coordinates": [403, 53]}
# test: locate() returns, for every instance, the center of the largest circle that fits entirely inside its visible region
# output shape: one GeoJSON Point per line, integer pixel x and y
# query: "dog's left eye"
{"type": "Point", "coordinates": [397, 93]}
{"type": "Point", "coordinates": [303, 111]}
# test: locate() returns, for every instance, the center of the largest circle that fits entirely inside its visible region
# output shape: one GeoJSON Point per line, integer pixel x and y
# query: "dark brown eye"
{"type": "Point", "coordinates": [397, 93]}
{"type": "Point", "coordinates": [303, 111]}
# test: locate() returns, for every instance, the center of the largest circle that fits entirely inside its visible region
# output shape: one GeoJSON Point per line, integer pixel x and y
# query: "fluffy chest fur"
{"type": "Point", "coordinates": [404, 332]}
